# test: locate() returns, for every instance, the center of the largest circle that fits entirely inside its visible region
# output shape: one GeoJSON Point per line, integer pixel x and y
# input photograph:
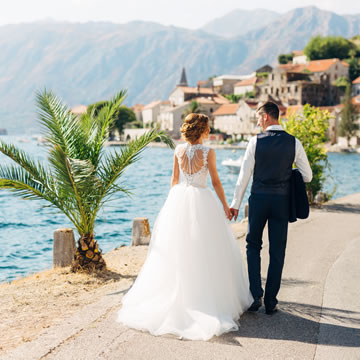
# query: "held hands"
{"type": "Point", "coordinates": [228, 212]}
{"type": "Point", "coordinates": [234, 213]}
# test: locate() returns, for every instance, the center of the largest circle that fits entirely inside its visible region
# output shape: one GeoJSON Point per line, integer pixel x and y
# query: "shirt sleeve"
{"type": "Point", "coordinates": [247, 169]}
{"type": "Point", "coordinates": [302, 162]}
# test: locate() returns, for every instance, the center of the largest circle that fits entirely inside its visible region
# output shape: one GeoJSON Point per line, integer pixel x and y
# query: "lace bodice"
{"type": "Point", "coordinates": [193, 164]}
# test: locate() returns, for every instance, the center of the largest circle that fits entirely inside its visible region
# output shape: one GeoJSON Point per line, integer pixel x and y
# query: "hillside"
{"type": "Point", "coordinates": [84, 63]}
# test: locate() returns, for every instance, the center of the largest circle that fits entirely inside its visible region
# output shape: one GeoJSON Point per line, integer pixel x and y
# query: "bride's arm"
{"type": "Point", "coordinates": [175, 174]}
{"type": "Point", "coordinates": [217, 183]}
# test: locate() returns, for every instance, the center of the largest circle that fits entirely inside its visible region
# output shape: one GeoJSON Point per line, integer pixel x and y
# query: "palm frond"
{"type": "Point", "coordinates": [18, 180]}
{"type": "Point", "coordinates": [35, 169]}
{"type": "Point", "coordinates": [115, 164]}
{"type": "Point", "coordinates": [61, 125]}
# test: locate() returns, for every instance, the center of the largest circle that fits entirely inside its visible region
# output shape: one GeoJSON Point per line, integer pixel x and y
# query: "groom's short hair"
{"type": "Point", "coordinates": [269, 108]}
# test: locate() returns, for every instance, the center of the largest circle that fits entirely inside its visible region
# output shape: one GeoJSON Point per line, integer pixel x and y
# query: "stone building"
{"type": "Point", "coordinates": [237, 119]}
{"type": "Point", "coordinates": [138, 109]}
{"type": "Point", "coordinates": [224, 84]}
{"type": "Point", "coordinates": [356, 87]}
{"type": "Point", "coordinates": [151, 111]}
{"type": "Point", "coordinates": [248, 85]}
{"type": "Point", "coordinates": [312, 83]}
{"type": "Point", "coordinates": [171, 118]}
{"type": "Point", "coordinates": [299, 57]}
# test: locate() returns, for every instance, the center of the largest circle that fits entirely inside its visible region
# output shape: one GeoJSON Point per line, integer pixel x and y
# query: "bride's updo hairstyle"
{"type": "Point", "coordinates": [194, 126]}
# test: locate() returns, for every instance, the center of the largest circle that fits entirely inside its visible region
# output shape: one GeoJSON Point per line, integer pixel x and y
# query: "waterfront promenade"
{"type": "Point", "coordinates": [319, 316]}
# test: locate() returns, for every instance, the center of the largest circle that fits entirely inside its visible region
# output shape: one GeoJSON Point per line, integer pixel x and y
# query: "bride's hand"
{"type": "Point", "coordinates": [227, 212]}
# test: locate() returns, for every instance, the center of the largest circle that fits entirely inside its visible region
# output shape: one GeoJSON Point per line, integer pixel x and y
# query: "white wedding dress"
{"type": "Point", "coordinates": [193, 283]}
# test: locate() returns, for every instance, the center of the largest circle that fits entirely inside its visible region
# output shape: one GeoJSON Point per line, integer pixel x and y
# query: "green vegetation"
{"type": "Point", "coordinates": [342, 82]}
{"type": "Point", "coordinates": [234, 99]}
{"type": "Point", "coordinates": [348, 125]}
{"type": "Point", "coordinates": [354, 69]}
{"type": "Point", "coordinates": [285, 58]}
{"type": "Point", "coordinates": [263, 75]}
{"type": "Point", "coordinates": [122, 116]}
{"type": "Point", "coordinates": [328, 47]}
{"type": "Point", "coordinates": [193, 109]}
{"type": "Point", "coordinates": [80, 177]}
{"type": "Point", "coordinates": [310, 128]}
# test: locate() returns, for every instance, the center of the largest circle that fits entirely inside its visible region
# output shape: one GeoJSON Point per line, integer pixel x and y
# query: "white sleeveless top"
{"type": "Point", "coordinates": [192, 160]}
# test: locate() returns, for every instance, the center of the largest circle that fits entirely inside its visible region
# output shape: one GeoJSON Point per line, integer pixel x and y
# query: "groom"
{"type": "Point", "coordinates": [269, 158]}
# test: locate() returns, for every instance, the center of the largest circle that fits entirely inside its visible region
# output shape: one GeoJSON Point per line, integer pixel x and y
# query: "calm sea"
{"type": "Point", "coordinates": [26, 227]}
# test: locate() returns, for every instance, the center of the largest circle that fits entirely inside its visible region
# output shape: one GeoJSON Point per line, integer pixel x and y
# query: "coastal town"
{"type": "Point", "coordinates": [231, 101]}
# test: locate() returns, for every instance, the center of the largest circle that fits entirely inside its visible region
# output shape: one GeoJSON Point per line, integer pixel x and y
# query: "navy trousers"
{"type": "Point", "coordinates": [274, 210]}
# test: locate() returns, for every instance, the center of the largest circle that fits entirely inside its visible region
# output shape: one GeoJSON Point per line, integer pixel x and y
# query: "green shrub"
{"type": "Point", "coordinates": [310, 128]}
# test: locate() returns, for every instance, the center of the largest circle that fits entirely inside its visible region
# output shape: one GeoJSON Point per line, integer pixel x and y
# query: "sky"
{"type": "Point", "coordinates": [191, 14]}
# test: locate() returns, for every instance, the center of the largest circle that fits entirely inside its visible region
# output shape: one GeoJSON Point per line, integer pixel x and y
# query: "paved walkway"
{"type": "Point", "coordinates": [319, 315]}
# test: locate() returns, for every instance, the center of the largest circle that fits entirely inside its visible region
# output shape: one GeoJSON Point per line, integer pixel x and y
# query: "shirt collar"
{"type": "Point", "coordinates": [274, 127]}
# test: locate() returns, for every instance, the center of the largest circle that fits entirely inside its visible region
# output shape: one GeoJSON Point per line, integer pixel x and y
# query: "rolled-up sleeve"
{"type": "Point", "coordinates": [302, 162]}
{"type": "Point", "coordinates": [247, 169]}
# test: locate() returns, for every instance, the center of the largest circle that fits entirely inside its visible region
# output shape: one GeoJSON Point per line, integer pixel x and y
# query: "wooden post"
{"type": "Point", "coordinates": [64, 247]}
{"type": "Point", "coordinates": [140, 232]}
{"type": "Point", "coordinates": [246, 211]}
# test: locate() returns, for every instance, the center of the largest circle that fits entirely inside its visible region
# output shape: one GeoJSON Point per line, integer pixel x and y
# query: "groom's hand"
{"type": "Point", "coordinates": [234, 213]}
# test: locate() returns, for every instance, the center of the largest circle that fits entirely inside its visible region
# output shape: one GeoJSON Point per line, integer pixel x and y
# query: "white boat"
{"type": "Point", "coordinates": [233, 165]}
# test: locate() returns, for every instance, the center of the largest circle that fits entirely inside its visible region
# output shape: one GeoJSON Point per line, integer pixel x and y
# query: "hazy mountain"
{"type": "Point", "coordinates": [292, 31]}
{"type": "Point", "coordinates": [239, 22]}
{"type": "Point", "coordinates": [84, 63]}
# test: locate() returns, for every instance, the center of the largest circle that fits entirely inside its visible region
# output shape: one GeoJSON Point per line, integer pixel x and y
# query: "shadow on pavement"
{"type": "Point", "coordinates": [298, 322]}
{"type": "Point", "coordinates": [349, 208]}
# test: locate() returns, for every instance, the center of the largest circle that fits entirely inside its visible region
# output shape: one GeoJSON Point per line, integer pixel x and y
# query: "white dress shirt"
{"type": "Point", "coordinates": [248, 164]}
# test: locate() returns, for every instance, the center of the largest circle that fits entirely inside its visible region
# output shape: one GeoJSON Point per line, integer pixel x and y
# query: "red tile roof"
{"type": "Point", "coordinates": [356, 81]}
{"type": "Point", "coordinates": [155, 103]}
{"type": "Point", "coordinates": [356, 100]}
{"type": "Point", "coordinates": [313, 66]}
{"type": "Point", "coordinates": [79, 109]}
{"type": "Point", "coordinates": [217, 99]}
{"type": "Point", "coordinates": [195, 90]}
{"type": "Point", "coordinates": [298, 52]}
{"type": "Point", "coordinates": [247, 82]}
{"type": "Point", "coordinates": [227, 109]}
{"type": "Point", "coordinates": [323, 65]}
{"type": "Point", "coordinates": [138, 107]}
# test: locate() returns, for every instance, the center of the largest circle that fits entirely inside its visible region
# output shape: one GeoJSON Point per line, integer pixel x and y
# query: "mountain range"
{"type": "Point", "coordinates": [84, 63]}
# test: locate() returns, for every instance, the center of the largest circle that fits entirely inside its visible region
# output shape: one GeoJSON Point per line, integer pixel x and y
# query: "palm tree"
{"type": "Point", "coordinates": [80, 177]}
{"type": "Point", "coordinates": [193, 109]}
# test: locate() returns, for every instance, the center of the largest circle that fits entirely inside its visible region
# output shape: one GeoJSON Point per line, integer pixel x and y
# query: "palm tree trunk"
{"type": "Point", "coordinates": [88, 255]}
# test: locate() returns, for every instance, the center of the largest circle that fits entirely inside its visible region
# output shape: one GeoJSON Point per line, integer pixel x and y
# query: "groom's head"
{"type": "Point", "coordinates": [267, 114]}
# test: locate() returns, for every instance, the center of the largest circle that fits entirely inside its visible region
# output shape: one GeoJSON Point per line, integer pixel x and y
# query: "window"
{"type": "Point", "coordinates": [296, 89]}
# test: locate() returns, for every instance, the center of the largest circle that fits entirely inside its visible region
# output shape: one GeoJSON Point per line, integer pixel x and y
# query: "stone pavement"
{"type": "Point", "coordinates": [319, 316]}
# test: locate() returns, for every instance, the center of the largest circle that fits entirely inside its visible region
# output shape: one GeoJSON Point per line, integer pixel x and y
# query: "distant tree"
{"type": "Point", "coordinates": [124, 115]}
{"type": "Point", "coordinates": [354, 68]}
{"type": "Point", "coordinates": [348, 125]}
{"type": "Point", "coordinates": [96, 107]}
{"type": "Point", "coordinates": [250, 94]}
{"type": "Point", "coordinates": [234, 99]}
{"type": "Point", "coordinates": [328, 47]}
{"type": "Point", "coordinates": [193, 109]}
{"type": "Point", "coordinates": [285, 58]}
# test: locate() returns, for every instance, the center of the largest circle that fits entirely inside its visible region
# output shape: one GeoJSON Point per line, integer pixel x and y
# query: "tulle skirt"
{"type": "Point", "coordinates": [193, 283]}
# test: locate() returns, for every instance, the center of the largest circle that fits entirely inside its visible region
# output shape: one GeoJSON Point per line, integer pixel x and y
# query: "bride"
{"type": "Point", "coordinates": [193, 283]}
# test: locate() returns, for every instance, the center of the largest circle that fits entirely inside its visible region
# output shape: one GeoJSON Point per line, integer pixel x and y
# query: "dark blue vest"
{"type": "Point", "coordinates": [274, 157]}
